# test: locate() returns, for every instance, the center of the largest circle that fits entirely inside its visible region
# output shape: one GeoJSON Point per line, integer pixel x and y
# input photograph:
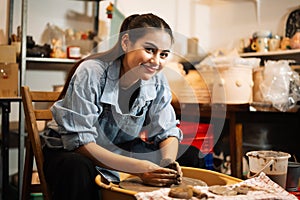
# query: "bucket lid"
{"type": "Point", "coordinates": [293, 164]}
{"type": "Point", "coordinates": [277, 155]}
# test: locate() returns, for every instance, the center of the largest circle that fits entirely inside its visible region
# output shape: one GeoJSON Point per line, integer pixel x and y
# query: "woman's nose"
{"type": "Point", "coordinates": [155, 59]}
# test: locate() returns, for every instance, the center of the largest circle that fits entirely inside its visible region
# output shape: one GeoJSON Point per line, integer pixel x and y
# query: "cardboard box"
{"type": "Point", "coordinates": [8, 54]}
{"type": "Point", "coordinates": [9, 79]}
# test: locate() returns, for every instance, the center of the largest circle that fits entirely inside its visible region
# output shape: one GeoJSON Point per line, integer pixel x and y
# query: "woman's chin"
{"type": "Point", "coordinates": [146, 76]}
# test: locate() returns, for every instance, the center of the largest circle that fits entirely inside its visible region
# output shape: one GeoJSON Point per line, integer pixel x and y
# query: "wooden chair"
{"type": "Point", "coordinates": [33, 142]}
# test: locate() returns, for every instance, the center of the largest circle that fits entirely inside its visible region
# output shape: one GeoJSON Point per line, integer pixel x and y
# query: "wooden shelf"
{"type": "Point", "coordinates": [271, 53]}
{"type": "Point", "coordinates": [51, 60]}
{"type": "Point", "coordinates": [292, 54]}
{"type": "Point", "coordinates": [50, 64]}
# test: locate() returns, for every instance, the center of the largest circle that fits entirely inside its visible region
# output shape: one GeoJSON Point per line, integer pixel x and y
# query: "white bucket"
{"type": "Point", "coordinates": [273, 163]}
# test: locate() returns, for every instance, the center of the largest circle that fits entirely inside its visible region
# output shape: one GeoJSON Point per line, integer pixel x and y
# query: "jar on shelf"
{"type": "Point", "coordinates": [295, 40]}
{"type": "Point", "coordinates": [260, 41]}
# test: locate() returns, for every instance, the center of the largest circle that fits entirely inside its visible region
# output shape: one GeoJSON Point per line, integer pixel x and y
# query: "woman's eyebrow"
{"type": "Point", "coordinates": [151, 44]}
{"type": "Point", "coordinates": [154, 46]}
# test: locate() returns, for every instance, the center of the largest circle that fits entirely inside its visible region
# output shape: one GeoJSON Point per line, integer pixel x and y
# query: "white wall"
{"type": "Point", "coordinates": [216, 23]}
{"type": "Point", "coordinates": [3, 21]}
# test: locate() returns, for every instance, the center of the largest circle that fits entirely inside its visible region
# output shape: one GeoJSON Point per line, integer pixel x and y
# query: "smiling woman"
{"type": "Point", "coordinates": [145, 57]}
{"type": "Point", "coordinates": [109, 100]}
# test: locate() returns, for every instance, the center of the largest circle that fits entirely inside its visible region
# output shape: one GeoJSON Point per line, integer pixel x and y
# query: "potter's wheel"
{"type": "Point", "coordinates": [136, 184]}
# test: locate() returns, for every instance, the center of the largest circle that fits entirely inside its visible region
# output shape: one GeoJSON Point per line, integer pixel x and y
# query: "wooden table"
{"type": "Point", "coordinates": [236, 116]}
{"type": "Point", "coordinates": [191, 102]}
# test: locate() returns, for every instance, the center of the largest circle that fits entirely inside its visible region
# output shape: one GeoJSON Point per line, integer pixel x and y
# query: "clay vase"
{"type": "Point", "coordinates": [295, 41]}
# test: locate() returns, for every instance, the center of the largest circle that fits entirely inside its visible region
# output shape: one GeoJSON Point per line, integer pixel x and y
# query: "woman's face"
{"type": "Point", "coordinates": [147, 55]}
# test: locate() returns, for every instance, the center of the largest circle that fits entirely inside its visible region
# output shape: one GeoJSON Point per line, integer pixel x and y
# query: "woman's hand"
{"type": "Point", "coordinates": [161, 176]}
{"type": "Point", "coordinates": [149, 172]}
{"type": "Point", "coordinates": [171, 164]}
{"type": "Point", "coordinates": [179, 172]}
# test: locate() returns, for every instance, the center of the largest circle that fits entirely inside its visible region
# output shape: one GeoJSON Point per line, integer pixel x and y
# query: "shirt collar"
{"type": "Point", "coordinates": [111, 88]}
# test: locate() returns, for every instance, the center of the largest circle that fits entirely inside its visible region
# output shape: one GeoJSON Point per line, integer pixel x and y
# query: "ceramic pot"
{"type": "Point", "coordinates": [295, 41]}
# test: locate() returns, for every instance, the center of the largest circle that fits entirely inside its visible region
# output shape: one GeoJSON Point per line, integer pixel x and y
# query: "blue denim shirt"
{"type": "Point", "coordinates": [89, 112]}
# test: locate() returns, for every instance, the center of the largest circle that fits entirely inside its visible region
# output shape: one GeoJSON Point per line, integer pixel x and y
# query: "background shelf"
{"type": "Point", "coordinates": [51, 60]}
{"type": "Point", "coordinates": [292, 54]}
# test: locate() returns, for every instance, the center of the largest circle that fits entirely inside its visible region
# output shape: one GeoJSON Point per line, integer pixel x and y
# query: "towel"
{"type": "Point", "coordinates": [265, 189]}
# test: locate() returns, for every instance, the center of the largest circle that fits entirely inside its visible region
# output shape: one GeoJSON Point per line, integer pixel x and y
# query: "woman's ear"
{"type": "Point", "coordinates": [124, 42]}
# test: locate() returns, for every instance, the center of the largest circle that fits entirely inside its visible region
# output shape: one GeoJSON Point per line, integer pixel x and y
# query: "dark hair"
{"type": "Point", "coordinates": [136, 27]}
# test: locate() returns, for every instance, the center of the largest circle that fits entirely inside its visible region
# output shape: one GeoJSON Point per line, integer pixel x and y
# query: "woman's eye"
{"type": "Point", "coordinates": [164, 55]}
{"type": "Point", "coordinates": [150, 50]}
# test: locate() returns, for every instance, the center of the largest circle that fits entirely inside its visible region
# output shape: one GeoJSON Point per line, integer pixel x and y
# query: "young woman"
{"type": "Point", "coordinates": [109, 101]}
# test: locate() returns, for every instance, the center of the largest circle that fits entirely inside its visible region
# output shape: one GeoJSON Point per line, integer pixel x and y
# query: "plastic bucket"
{"type": "Point", "coordinates": [293, 175]}
{"type": "Point", "coordinates": [273, 163]}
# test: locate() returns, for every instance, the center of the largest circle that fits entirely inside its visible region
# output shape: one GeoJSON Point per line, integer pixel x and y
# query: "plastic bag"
{"type": "Point", "coordinates": [281, 85]}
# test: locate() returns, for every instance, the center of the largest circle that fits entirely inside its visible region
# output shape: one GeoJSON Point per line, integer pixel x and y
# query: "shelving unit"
{"type": "Point", "coordinates": [51, 60]}
{"type": "Point", "coordinates": [292, 54]}
{"type": "Point", "coordinates": [56, 64]}
{"type": "Point", "coordinates": [37, 63]}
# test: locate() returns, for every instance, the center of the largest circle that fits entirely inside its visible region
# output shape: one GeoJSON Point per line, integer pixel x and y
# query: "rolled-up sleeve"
{"type": "Point", "coordinates": [162, 115]}
{"type": "Point", "coordinates": [77, 114]}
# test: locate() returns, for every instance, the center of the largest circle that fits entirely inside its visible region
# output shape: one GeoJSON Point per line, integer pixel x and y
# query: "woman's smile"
{"type": "Point", "coordinates": [147, 55]}
{"type": "Point", "coordinates": [150, 68]}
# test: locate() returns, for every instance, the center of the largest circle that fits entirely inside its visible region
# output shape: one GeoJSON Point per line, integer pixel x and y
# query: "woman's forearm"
{"type": "Point", "coordinates": [102, 157]}
{"type": "Point", "coordinates": [149, 172]}
{"type": "Point", "coordinates": [169, 148]}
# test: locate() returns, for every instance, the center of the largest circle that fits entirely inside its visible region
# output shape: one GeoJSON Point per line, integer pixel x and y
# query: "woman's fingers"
{"type": "Point", "coordinates": [165, 171]}
{"type": "Point", "coordinates": [160, 181]}
{"type": "Point", "coordinates": [161, 177]}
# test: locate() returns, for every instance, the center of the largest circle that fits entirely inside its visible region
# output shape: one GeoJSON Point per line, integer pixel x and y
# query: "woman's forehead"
{"type": "Point", "coordinates": [159, 38]}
